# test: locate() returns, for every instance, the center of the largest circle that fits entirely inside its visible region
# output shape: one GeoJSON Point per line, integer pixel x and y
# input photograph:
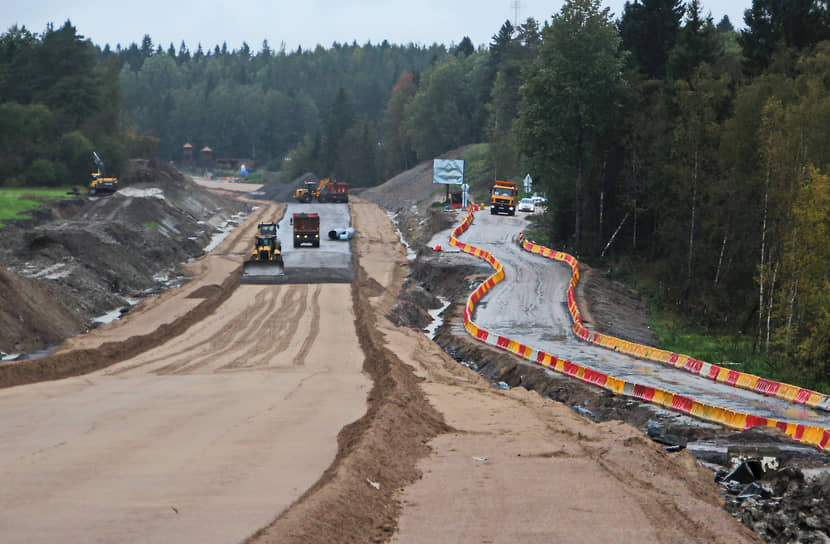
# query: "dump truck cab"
{"type": "Point", "coordinates": [306, 229]}
{"type": "Point", "coordinates": [503, 197]}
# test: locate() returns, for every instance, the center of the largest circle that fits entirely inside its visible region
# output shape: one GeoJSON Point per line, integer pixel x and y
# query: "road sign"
{"type": "Point", "coordinates": [528, 181]}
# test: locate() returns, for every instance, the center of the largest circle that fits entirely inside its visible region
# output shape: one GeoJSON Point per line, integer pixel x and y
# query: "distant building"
{"type": "Point", "coordinates": [206, 158]}
{"type": "Point", "coordinates": [187, 155]}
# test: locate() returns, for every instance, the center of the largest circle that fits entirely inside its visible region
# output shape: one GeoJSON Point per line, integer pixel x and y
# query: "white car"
{"type": "Point", "coordinates": [527, 205]}
{"type": "Point", "coordinates": [537, 199]}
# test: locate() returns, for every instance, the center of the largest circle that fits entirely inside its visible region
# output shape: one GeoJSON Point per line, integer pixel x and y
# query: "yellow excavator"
{"type": "Point", "coordinates": [266, 259]}
{"type": "Point", "coordinates": [101, 185]}
{"type": "Point", "coordinates": [310, 190]}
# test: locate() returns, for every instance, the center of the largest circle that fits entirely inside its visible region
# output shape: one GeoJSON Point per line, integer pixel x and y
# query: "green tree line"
{"type": "Point", "coordinates": [321, 108]}
{"type": "Point", "coordinates": [698, 155]}
{"type": "Point", "coordinates": [58, 103]}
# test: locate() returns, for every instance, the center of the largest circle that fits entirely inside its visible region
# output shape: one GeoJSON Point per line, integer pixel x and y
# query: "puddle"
{"type": "Point", "coordinates": [437, 320]}
{"type": "Point", "coordinates": [37, 354]}
{"type": "Point", "coordinates": [223, 231]}
{"type": "Point", "coordinates": [410, 253]}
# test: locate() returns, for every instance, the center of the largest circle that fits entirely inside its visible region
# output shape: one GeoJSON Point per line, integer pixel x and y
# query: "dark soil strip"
{"type": "Point", "coordinates": [78, 362]}
{"type": "Point", "coordinates": [382, 447]}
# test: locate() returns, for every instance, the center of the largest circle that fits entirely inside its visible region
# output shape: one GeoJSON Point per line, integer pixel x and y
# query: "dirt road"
{"type": "Point", "coordinates": [203, 438]}
{"type": "Point", "coordinates": [258, 416]}
{"type": "Point", "coordinates": [531, 307]}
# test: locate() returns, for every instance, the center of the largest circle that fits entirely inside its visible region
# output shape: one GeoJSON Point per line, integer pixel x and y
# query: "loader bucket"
{"type": "Point", "coordinates": [262, 271]}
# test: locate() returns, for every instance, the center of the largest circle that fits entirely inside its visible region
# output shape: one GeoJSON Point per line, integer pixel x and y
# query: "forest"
{"type": "Point", "coordinates": [676, 148]}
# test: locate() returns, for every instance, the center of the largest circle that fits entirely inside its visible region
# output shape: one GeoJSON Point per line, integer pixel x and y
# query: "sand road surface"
{"type": "Point", "coordinates": [259, 418]}
{"type": "Point", "coordinates": [204, 438]}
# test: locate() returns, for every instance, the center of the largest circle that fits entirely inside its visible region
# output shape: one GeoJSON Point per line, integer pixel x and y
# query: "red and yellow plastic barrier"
{"type": "Point", "coordinates": [808, 434]}
{"type": "Point", "coordinates": [751, 382]}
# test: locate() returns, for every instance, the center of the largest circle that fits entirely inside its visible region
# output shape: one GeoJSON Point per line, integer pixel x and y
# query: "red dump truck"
{"type": "Point", "coordinates": [334, 191]}
{"type": "Point", "coordinates": [306, 229]}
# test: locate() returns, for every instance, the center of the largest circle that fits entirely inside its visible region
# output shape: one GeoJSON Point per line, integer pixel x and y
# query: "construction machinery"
{"type": "Point", "coordinates": [325, 190]}
{"type": "Point", "coordinates": [266, 258]}
{"type": "Point", "coordinates": [503, 197]}
{"type": "Point", "coordinates": [101, 185]}
{"type": "Point", "coordinates": [334, 191]}
{"type": "Point", "coordinates": [309, 191]}
{"type": "Point", "coordinates": [306, 229]}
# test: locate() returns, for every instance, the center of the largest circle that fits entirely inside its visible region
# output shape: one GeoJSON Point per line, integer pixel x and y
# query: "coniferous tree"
{"type": "Point", "coordinates": [572, 97]}
{"type": "Point", "coordinates": [649, 31]}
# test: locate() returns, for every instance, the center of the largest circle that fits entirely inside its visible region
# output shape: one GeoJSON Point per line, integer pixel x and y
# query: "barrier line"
{"type": "Point", "coordinates": [743, 380]}
{"type": "Point", "coordinates": [807, 434]}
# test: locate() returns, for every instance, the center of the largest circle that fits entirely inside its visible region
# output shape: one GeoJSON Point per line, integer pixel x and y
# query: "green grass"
{"type": "Point", "coordinates": [478, 173]}
{"type": "Point", "coordinates": [152, 224]}
{"type": "Point", "coordinates": [733, 351]}
{"type": "Point", "coordinates": [15, 202]}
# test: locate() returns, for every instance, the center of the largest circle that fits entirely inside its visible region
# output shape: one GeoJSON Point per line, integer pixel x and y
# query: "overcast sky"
{"type": "Point", "coordinates": [302, 22]}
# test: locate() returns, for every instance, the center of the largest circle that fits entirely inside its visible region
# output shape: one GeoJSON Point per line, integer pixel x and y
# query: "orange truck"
{"type": "Point", "coordinates": [306, 229]}
{"type": "Point", "coordinates": [504, 197]}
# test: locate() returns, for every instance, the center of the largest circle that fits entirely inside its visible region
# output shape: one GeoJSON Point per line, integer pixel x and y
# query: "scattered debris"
{"type": "Point", "coordinates": [373, 484]}
{"type": "Point", "coordinates": [754, 490]}
{"type": "Point", "coordinates": [673, 442]}
{"type": "Point", "coordinates": [584, 412]}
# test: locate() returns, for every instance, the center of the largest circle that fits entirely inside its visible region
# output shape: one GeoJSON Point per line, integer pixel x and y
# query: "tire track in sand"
{"type": "Point", "coordinates": [211, 345]}
{"type": "Point", "coordinates": [277, 337]}
{"type": "Point", "coordinates": [314, 332]}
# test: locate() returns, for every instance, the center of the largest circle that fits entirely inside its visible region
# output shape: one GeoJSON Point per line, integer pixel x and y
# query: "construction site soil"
{"type": "Point", "coordinates": [77, 259]}
{"type": "Point", "coordinates": [81, 258]}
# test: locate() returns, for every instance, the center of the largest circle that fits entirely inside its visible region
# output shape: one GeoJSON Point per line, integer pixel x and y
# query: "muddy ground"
{"type": "Point", "coordinates": [78, 259]}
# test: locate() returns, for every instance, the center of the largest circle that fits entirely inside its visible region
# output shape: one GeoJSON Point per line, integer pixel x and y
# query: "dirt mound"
{"type": "Point", "coordinates": [411, 188]}
{"type": "Point", "coordinates": [90, 254]}
{"type": "Point", "coordinates": [30, 315]}
{"type": "Point", "coordinates": [283, 192]}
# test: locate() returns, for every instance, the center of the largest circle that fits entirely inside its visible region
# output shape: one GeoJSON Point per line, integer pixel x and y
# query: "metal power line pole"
{"type": "Point", "coordinates": [515, 4]}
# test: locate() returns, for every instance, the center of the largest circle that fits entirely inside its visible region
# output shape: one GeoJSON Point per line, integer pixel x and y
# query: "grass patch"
{"type": "Point", "coordinates": [152, 224]}
{"type": "Point", "coordinates": [15, 202]}
{"type": "Point", "coordinates": [733, 351]}
{"type": "Point", "coordinates": [478, 172]}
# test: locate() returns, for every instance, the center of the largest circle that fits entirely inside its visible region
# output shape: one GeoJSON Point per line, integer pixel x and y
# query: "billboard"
{"type": "Point", "coordinates": [447, 172]}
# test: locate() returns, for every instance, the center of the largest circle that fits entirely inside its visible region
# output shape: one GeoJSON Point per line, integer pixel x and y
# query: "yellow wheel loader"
{"type": "Point", "coordinates": [266, 259]}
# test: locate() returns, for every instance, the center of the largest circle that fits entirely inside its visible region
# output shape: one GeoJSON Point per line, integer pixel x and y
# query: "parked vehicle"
{"type": "Point", "coordinates": [527, 205]}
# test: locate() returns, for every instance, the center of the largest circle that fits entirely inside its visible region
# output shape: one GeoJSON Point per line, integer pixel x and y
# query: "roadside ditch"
{"type": "Point", "coordinates": [787, 500]}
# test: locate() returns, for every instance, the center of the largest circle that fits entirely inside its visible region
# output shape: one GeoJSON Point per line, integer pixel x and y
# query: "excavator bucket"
{"type": "Point", "coordinates": [263, 270]}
